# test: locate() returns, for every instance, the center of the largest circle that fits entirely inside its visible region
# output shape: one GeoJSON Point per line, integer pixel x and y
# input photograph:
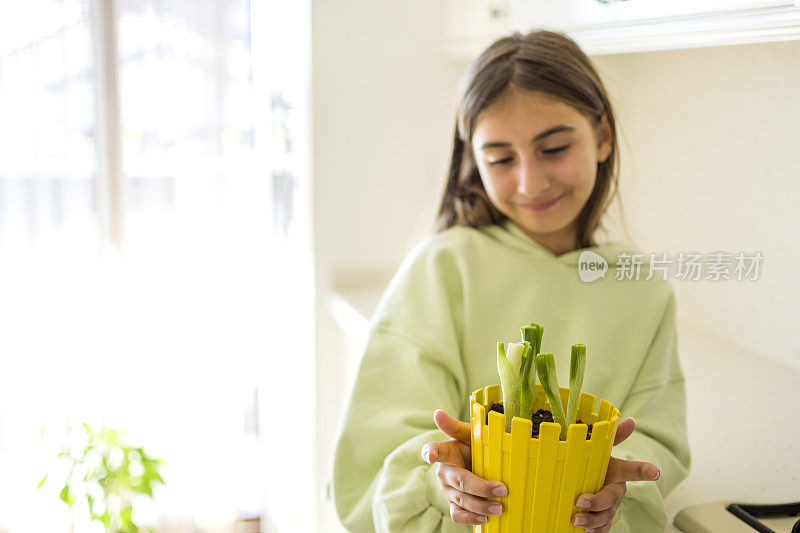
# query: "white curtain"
{"type": "Point", "coordinates": [181, 334]}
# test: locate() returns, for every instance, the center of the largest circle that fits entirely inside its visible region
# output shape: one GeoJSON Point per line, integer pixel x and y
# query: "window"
{"type": "Point", "coordinates": [161, 304]}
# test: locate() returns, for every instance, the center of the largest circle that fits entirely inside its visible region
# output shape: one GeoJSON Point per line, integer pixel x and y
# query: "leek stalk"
{"type": "Point", "coordinates": [577, 366]}
{"type": "Point", "coordinates": [546, 369]}
{"type": "Point", "coordinates": [511, 360]}
{"type": "Point", "coordinates": [532, 335]}
{"type": "Point", "coordinates": [508, 384]}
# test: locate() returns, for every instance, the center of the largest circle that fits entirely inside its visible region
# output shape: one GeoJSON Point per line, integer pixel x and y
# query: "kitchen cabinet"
{"type": "Point", "coordinates": [638, 10]}
{"type": "Point", "coordinates": [622, 26]}
{"type": "Point", "coordinates": [560, 13]}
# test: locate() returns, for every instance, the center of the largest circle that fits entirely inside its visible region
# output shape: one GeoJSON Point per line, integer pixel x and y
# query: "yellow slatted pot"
{"type": "Point", "coordinates": [544, 476]}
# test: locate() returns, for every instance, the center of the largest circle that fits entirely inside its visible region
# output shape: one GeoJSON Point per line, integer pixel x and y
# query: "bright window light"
{"type": "Point", "coordinates": [179, 334]}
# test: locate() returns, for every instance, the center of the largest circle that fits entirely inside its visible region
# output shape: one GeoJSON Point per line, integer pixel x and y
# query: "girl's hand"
{"type": "Point", "coordinates": [600, 508]}
{"type": "Point", "coordinates": [467, 492]}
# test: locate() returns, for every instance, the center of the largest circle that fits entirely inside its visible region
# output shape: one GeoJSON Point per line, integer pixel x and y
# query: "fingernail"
{"type": "Point", "coordinates": [500, 491]}
{"type": "Point", "coordinates": [658, 472]}
{"type": "Point", "coordinates": [428, 456]}
{"type": "Point", "coordinates": [495, 509]}
{"type": "Point", "coordinates": [580, 520]}
{"type": "Point", "coordinates": [583, 503]}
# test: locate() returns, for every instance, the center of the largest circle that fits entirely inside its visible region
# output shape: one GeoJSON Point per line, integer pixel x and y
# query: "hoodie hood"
{"type": "Point", "coordinates": [511, 235]}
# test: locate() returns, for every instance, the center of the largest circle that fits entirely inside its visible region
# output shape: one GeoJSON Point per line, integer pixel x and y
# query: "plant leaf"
{"type": "Point", "coordinates": [577, 368]}
{"type": "Point", "coordinates": [546, 369]}
{"type": "Point", "coordinates": [65, 496]}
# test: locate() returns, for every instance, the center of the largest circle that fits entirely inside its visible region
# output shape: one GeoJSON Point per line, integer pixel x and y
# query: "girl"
{"type": "Point", "coordinates": [533, 169]}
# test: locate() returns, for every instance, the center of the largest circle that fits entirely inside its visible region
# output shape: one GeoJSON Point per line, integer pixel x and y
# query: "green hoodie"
{"type": "Point", "coordinates": [432, 342]}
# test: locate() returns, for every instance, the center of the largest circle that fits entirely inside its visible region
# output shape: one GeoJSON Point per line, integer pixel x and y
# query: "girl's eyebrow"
{"type": "Point", "coordinates": [555, 129]}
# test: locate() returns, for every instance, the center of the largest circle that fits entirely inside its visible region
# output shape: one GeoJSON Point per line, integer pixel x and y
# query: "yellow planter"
{"type": "Point", "coordinates": [544, 476]}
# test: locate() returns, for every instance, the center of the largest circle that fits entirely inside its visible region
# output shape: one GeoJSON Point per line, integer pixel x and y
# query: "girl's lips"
{"type": "Point", "coordinates": [542, 206]}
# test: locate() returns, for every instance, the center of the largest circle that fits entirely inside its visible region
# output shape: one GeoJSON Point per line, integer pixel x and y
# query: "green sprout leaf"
{"type": "Point", "coordinates": [577, 367]}
{"type": "Point", "coordinates": [531, 336]}
{"type": "Point", "coordinates": [546, 369]}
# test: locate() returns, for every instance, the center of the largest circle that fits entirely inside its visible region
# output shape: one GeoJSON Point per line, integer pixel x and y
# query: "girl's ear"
{"type": "Point", "coordinates": [605, 140]}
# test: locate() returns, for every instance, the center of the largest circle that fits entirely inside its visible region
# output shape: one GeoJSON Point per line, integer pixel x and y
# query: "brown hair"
{"type": "Point", "coordinates": [542, 61]}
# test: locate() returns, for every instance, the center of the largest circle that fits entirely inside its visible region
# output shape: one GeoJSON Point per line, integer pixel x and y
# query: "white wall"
{"type": "Point", "coordinates": [711, 162]}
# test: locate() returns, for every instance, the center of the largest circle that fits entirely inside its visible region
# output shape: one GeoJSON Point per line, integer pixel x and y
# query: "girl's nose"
{"type": "Point", "coordinates": [532, 179]}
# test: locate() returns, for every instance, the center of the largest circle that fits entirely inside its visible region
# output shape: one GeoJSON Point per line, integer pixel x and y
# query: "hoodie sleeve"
{"type": "Point", "coordinates": [411, 366]}
{"type": "Point", "coordinates": [658, 404]}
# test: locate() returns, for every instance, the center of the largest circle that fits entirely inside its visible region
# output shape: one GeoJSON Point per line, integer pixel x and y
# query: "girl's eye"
{"type": "Point", "coordinates": [556, 150]}
{"type": "Point", "coordinates": [550, 151]}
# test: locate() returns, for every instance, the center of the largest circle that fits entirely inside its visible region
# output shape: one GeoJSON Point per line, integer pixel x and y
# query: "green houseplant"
{"type": "Point", "coordinates": [110, 474]}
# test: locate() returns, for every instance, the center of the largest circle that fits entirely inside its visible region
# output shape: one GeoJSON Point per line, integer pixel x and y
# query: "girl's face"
{"type": "Point", "coordinates": [537, 158]}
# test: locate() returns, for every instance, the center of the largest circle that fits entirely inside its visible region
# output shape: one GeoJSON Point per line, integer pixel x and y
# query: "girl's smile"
{"type": "Point", "coordinates": [543, 205]}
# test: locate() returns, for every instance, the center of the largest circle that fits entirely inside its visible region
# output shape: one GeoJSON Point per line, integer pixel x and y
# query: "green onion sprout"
{"type": "Point", "coordinates": [546, 369]}
{"type": "Point", "coordinates": [577, 366]}
{"type": "Point", "coordinates": [532, 335]}
{"type": "Point", "coordinates": [515, 362]}
{"type": "Point", "coordinates": [511, 358]}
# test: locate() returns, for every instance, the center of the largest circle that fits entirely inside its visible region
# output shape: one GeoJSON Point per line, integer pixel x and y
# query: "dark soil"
{"type": "Point", "coordinates": [495, 407]}
{"type": "Point", "coordinates": [538, 417]}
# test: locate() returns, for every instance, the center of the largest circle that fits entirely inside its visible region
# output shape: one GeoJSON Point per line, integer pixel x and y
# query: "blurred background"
{"type": "Point", "coordinates": [155, 247]}
{"type": "Point", "coordinates": [202, 201]}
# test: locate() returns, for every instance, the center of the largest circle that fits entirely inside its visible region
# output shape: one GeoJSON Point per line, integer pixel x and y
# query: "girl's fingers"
{"type": "Point", "coordinates": [468, 502]}
{"type": "Point", "coordinates": [462, 516]}
{"type": "Point", "coordinates": [593, 521]}
{"type": "Point", "coordinates": [621, 470]}
{"type": "Point", "coordinates": [465, 481]}
{"type": "Point", "coordinates": [624, 430]}
{"type": "Point", "coordinates": [452, 427]}
{"type": "Point", "coordinates": [450, 452]}
{"type": "Point", "coordinates": [609, 497]}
